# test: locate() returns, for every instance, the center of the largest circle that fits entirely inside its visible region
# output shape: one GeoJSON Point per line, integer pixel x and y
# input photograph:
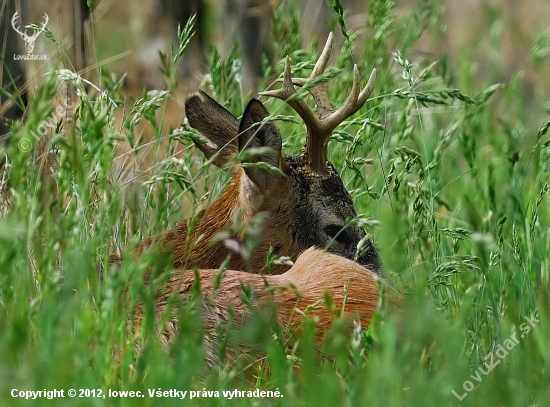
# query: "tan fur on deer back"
{"type": "Point", "coordinates": [352, 288]}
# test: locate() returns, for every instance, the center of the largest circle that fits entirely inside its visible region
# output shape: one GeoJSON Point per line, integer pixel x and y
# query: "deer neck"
{"type": "Point", "coordinates": [192, 244]}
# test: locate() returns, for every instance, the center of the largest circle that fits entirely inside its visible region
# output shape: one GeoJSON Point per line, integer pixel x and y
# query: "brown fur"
{"type": "Point", "coordinates": [307, 214]}
{"type": "Point", "coordinates": [352, 288]}
{"type": "Point", "coordinates": [298, 205]}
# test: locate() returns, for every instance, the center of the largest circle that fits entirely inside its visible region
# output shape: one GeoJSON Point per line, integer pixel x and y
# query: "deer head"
{"type": "Point", "coordinates": [305, 201]}
{"type": "Point", "coordinates": [29, 40]}
{"type": "Point", "coordinates": [307, 218]}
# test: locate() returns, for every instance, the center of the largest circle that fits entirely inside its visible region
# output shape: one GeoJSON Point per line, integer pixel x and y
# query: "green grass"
{"type": "Point", "coordinates": [449, 168]}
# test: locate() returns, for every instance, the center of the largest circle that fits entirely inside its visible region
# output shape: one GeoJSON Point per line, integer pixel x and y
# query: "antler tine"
{"type": "Point", "coordinates": [319, 128]}
{"type": "Point", "coordinates": [322, 62]}
{"type": "Point", "coordinates": [286, 94]}
{"type": "Point", "coordinates": [369, 87]}
{"type": "Point", "coordinates": [319, 92]}
{"type": "Point", "coordinates": [352, 104]}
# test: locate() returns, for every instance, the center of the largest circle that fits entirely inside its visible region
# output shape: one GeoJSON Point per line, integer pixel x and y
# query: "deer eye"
{"type": "Point", "coordinates": [338, 233]}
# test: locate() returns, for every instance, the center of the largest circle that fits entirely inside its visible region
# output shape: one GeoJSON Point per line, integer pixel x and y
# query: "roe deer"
{"type": "Point", "coordinates": [308, 219]}
{"type": "Point", "coordinates": [301, 290]}
{"type": "Point", "coordinates": [305, 202]}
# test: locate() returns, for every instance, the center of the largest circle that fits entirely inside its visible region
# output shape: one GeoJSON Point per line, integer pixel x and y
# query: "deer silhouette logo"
{"type": "Point", "coordinates": [29, 40]}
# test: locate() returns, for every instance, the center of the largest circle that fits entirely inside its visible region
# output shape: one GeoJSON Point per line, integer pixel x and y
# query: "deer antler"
{"type": "Point", "coordinates": [319, 128]}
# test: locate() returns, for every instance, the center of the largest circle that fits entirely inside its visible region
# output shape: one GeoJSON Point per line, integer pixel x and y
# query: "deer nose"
{"type": "Point", "coordinates": [368, 258]}
{"type": "Point", "coordinates": [339, 234]}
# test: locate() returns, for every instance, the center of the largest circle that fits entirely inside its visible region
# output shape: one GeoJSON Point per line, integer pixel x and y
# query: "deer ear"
{"type": "Point", "coordinates": [253, 133]}
{"type": "Point", "coordinates": [217, 126]}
